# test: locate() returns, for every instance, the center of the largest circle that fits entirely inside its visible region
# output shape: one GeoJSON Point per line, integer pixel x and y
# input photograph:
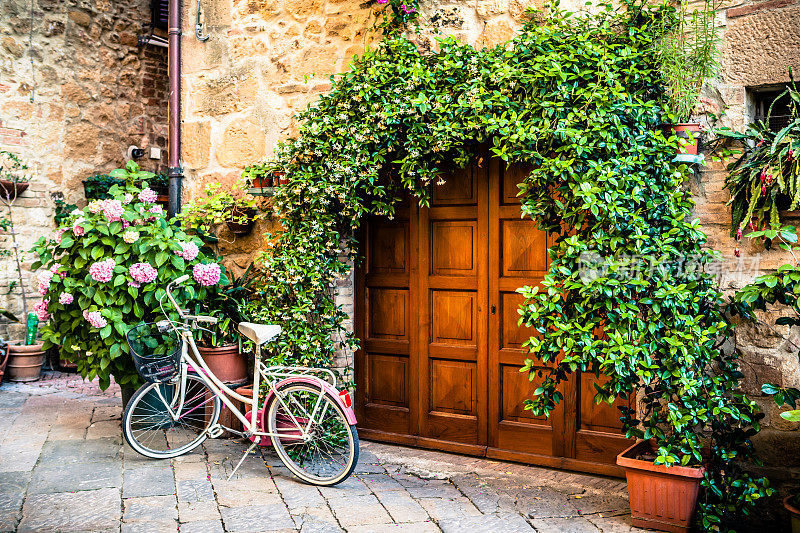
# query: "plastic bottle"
{"type": "Point", "coordinates": [33, 327]}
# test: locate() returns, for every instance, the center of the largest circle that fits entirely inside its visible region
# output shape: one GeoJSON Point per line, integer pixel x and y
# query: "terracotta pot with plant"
{"type": "Point", "coordinates": [661, 497]}
{"type": "Point", "coordinates": [688, 53]}
{"type": "Point", "coordinates": [15, 175]}
{"type": "Point", "coordinates": [206, 214]}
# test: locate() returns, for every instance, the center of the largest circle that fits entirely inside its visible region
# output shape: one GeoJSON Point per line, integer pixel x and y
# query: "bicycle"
{"type": "Point", "coordinates": [309, 423]}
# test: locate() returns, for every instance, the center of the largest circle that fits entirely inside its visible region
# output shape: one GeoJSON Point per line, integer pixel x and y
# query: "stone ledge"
{"type": "Point", "coordinates": [754, 8]}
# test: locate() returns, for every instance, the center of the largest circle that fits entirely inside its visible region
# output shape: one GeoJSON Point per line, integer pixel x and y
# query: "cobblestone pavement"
{"type": "Point", "coordinates": [63, 467]}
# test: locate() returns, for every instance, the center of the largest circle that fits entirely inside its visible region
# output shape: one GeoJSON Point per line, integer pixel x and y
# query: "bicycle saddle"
{"type": "Point", "coordinates": [259, 333]}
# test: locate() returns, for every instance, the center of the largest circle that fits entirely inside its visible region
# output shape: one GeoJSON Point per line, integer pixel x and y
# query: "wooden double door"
{"type": "Point", "coordinates": [437, 311]}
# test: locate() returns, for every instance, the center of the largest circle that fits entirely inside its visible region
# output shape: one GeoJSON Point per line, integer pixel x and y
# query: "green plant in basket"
{"type": "Point", "coordinates": [105, 271]}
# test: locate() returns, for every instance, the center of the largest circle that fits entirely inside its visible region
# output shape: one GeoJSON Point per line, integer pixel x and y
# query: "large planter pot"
{"type": "Point", "coordinates": [225, 362]}
{"type": "Point", "coordinates": [662, 498]}
{"type": "Point", "coordinates": [66, 365]}
{"type": "Point", "coordinates": [126, 393]}
{"type": "Point", "coordinates": [11, 189]}
{"type": "Point", "coordinates": [794, 512]}
{"type": "Point", "coordinates": [25, 362]}
{"type": "Point", "coordinates": [690, 131]}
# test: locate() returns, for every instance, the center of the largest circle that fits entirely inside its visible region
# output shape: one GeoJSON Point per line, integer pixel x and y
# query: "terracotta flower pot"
{"type": "Point", "coordinates": [689, 131]}
{"type": "Point", "coordinates": [794, 512]}
{"type": "Point", "coordinates": [12, 189]}
{"type": "Point", "coordinates": [662, 498]}
{"type": "Point", "coordinates": [225, 362]}
{"type": "Point", "coordinates": [262, 182]}
{"type": "Point", "coordinates": [25, 362]}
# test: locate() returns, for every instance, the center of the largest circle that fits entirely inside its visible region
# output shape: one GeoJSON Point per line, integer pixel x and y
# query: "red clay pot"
{"type": "Point", "coordinates": [225, 362]}
{"type": "Point", "coordinates": [662, 498]}
{"type": "Point", "coordinates": [794, 512]}
{"type": "Point", "coordinates": [11, 189]}
{"type": "Point", "coordinates": [689, 131]}
{"type": "Point", "coordinates": [25, 362]}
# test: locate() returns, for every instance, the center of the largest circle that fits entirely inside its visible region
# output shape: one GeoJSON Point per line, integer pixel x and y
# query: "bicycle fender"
{"type": "Point", "coordinates": [327, 387]}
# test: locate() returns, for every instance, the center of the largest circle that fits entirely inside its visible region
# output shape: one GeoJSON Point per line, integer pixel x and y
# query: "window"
{"type": "Point", "coordinates": [762, 99]}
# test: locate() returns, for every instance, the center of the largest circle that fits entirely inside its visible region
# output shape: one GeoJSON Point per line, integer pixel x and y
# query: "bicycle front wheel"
{"type": "Point", "coordinates": [149, 428]}
{"type": "Point", "coordinates": [329, 452]}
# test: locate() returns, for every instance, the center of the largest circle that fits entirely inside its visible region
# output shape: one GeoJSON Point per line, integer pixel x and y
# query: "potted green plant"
{"type": "Point", "coordinates": [97, 187]}
{"type": "Point", "coordinates": [109, 264]}
{"type": "Point", "coordinates": [764, 168]}
{"type": "Point", "coordinates": [262, 178]}
{"type": "Point", "coordinates": [687, 53]}
{"type": "Point", "coordinates": [15, 175]}
{"type": "Point", "coordinates": [207, 213]}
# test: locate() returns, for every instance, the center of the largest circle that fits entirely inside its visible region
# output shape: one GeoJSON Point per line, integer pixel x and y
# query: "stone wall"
{"type": "Point", "coordinates": [76, 90]}
{"type": "Point", "coordinates": [267, 59]}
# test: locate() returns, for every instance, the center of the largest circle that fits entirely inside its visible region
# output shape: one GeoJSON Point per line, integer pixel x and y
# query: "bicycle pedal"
{"type": "Point", "coordinates": [215, 431]}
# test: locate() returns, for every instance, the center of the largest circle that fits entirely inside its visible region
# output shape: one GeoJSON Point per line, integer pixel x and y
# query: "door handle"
{"type": "Point", "coordinates": [493, 309]}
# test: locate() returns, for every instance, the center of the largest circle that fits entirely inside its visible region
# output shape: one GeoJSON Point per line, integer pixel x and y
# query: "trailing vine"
{"type": "Point", "coordinates": [579, 99]}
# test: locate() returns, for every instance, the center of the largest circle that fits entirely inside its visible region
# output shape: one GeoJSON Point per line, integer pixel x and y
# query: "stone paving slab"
{"type": "Point", "coordinates": [64, 467]}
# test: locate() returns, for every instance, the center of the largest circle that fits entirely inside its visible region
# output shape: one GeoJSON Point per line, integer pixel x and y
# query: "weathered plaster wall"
{"type": "Point", "coordinates": [242, 87]}
{"type": "Point", "coordinates": [95, 92]}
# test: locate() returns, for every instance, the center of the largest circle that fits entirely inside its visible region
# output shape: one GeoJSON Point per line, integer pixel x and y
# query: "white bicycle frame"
{"type": "Point", "coordinates": [271, 375]}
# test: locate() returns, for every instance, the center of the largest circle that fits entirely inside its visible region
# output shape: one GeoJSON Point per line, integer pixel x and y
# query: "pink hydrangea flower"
{"type": "Point", "coordinates": [408, 9]}
{"type": "Point", "coordinates": [130, 236]}
{"type": "Point", "coordinates": [382, 1]}
{"type": "Point", "coordinates": [143, 272]}
{"type": "Point", "coordinates": [43, 280]}
{"type": "Point", "coordinates": [134, 284]}
{"type": "Point", "coordinates": [77, 229]}
{"type": "Point", "coordinates": [148, 196]}
{"type": "Point", "coordinates": [65, 298]}
{"type": "Point", "coordinates": [113, 210]}
{"type": "Point", "coordinates": [41, 310]}
{"type": "Point", "coordinates": [128, 199]}
{"type": "Point", "coordinates": [103, 271]}
{"type": "Point", "coordinates": [95, 206]}
{"type": "Point", "coordinates": [188, 251]}
{"type": "Point", "coordinates": [59, 234]}
{"type": "Point", "coordinates": [95, 319]}
{"type": "Point", "coordinates": [207, 274]}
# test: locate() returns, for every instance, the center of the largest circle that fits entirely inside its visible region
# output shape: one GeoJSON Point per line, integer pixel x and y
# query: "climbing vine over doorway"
{"type": "Point", "coordinates": [577, 99]}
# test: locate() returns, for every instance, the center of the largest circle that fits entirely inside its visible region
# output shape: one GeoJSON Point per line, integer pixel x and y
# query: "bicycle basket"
{"type": "Point", "coordinates": [156, 352]}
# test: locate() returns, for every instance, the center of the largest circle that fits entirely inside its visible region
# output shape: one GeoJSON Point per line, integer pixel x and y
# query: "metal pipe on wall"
{"type": "Point", "coordinates": [174, 69]}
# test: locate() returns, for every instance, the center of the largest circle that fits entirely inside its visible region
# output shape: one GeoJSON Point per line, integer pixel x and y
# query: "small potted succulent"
{"type": "Point", "coordinates": [207, 213]}
{"type": "Point", "coordinates": [15, 175]}
{"type": "Point", "coordinates": [687, 51]}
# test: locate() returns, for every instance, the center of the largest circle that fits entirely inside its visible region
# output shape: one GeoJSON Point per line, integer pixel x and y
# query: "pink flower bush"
{"type": "Point", "coordinates": [41, 310]}
{"type": "Point", "coordinates": [188, 251]}
{"type": "Point", "coordinates": [77, 229]}
{"type": "Point", "coordinates": [95, 319]}
{"type": "Point", "coordinates": [128, 199]}
{"type": "Point", "coordinates": [65, 298]}
{"type": "Point", "coordinates": [103, 271]}
{"type": "Point", "coordinates": [143, 273]}
{"type": "Point", "coordinates": [95, 206]}
{"type": "Point", "coordinates": [54, 269]}
{"type": "Point", "coordinates": [148, 196]}
{"type": "Point", "coordinates": [130, 236]}
{"type": "Point", "coordinates": [113, 210]}
{"type": "Point", "coordinates": [59, 234]}
{"type": "Point", "coordinates": [43, 279]}
{"type": "Point", "coordinates": [207, 274]}
{"type": "Point", "coordinates": [134, 284]}
{"type": "Point", "coordinates": [408, 9]}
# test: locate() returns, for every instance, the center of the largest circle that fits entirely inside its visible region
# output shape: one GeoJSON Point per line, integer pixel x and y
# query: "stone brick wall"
{"type": "Point", "coordinates": [241, 88]}
{"type": "Point", "coordinates": [76, 90]}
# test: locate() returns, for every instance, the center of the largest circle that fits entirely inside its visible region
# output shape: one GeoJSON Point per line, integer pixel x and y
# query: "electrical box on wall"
{"type": "Point", "coordinates": [155, 153]}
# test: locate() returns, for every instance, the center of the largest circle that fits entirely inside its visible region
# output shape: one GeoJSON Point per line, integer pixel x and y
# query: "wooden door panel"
{"type": "Point", "coordinates": [387, 314]}
{"type": "Point", "coordinates": [388, 380]}
{"type": "Point", "coordinates": [599, 428]}
{"type": "Point", "coordinates": [459, 188]}
{"type": "Point", "coordinates": [524, 249]}
{"type": "Point", "coordinates": [388, 247]}
{"type": "Point", "coordinates": [453, 248]}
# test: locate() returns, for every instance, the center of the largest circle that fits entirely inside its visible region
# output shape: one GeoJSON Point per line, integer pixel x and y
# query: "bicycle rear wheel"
{"type": "Point", "coordinates": [330, 453]}
{"type": "Point", "coordinates": [150, 430]}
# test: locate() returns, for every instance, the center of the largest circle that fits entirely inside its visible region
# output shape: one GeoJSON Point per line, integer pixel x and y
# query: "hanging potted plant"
{"type": "Point", "coordinates": [205, 214]}
{"type": "Point", "coordinates": [14, 175]}
{"type": "Point", "coordinates": [687, 52]}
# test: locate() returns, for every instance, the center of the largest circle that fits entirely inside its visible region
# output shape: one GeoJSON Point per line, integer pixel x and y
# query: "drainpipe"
{"type": "Point", "coordinates": [174, 66]}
